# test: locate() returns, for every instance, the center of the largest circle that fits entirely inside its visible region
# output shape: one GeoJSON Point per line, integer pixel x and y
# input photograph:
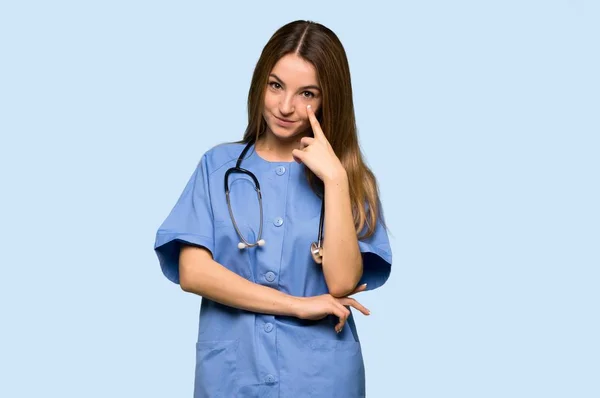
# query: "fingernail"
{"type": "Point", "coordinates": [364, 284]}
{"type": "Point", "coordinates": [308, 107]}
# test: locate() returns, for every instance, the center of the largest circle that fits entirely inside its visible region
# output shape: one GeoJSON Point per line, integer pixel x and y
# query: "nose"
{"type": "Point", "coordinates": [286, 105]}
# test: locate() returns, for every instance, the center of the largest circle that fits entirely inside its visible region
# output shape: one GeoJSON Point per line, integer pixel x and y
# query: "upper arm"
{"type": "Point", "coordinates": [191, 259]}
{"type": "Point", "coordinates": [377, 257]}
{"type": "Point", "coordinates": [190, 222]}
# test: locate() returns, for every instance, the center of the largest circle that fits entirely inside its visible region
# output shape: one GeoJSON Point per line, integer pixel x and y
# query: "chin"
{"type": "Point", "coordinates": [283, 133]}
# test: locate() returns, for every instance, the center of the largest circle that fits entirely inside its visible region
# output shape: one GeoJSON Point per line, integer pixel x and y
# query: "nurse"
{"type": "Point", "coordinates": [275, 318]}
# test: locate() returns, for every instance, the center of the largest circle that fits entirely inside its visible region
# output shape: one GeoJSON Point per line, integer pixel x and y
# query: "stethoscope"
{"type": "Point", "coordinates": [316, 248]}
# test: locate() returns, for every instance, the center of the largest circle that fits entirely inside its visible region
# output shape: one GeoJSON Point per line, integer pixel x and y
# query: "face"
{"type": "Point", "coordinates": [292, 85]}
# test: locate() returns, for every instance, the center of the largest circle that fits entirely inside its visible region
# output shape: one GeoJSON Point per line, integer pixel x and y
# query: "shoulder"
{"type": "Point", "coordinates": [220, 156]}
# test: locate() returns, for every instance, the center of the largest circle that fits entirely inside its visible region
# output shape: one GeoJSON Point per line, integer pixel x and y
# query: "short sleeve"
{"type": "Point", "coordinates": [189, 222]}
{"type": "Point", "coordinates": [377, 257]}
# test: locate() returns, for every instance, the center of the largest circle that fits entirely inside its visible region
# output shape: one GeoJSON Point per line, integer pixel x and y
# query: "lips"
{"type": "Point", "coordinates": [284, 123]}
{"type": "Point", "coordinates": [285, 120]}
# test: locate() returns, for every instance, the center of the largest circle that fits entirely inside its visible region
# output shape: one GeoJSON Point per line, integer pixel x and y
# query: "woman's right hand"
{"type": "Point", "coordinates": [318, 307]}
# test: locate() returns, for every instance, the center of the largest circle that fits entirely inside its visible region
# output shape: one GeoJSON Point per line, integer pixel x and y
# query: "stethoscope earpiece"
{"type": "Point", "coordinates": [242, 245]}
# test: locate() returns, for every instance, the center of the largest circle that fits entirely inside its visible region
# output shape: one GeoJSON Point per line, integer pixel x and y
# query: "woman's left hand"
{"type": "Point", "coordinates": [317, 154]}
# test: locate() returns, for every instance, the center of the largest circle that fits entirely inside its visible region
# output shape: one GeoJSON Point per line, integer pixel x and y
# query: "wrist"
{"type": "Point", "coordinates": [295, 306]}
{"type": "Point", "coordinates": [337, 177]}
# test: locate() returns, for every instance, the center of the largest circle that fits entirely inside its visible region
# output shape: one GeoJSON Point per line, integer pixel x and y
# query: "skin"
{"type": "Point", "coordinates": [292, 86]}
{"type": "Point", "coordinates": [292, 94]}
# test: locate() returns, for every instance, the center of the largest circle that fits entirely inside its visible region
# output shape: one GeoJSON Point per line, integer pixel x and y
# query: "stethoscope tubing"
{"type": "Point", "coordinates": [316, 251]}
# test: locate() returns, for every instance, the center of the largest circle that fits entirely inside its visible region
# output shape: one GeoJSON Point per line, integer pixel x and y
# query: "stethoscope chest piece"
{"type": "Point", "coordinates": [317, 252]}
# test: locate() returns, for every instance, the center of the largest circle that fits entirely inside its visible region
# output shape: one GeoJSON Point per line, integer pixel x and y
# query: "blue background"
{"type": "Point", "coordinates": [479, 118]}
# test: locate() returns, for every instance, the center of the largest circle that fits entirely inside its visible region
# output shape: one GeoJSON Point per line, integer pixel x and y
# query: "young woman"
{"type": "Point", "coordinates": [276, 231]}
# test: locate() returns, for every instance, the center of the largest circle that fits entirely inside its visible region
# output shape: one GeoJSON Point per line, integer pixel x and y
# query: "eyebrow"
{"type": "Point", "coordinates": [301, 88]}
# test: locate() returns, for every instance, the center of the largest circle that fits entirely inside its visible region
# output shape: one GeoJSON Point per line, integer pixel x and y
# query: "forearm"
{"type": "Point", "coordinates": [201, 275]}
{"type": "Point", "coordinates": [342, 260]}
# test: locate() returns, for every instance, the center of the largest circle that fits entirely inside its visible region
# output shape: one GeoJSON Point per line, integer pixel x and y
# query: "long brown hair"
{"type": "Point", "coordinates": [318, 45]}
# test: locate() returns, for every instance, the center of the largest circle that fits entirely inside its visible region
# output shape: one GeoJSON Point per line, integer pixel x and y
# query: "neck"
{"type": "Point", "coordinates": [275, 149]}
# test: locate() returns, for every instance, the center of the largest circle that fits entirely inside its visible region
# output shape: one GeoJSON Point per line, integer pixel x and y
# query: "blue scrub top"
{"type": "Point", "coordinates": [246, 354]}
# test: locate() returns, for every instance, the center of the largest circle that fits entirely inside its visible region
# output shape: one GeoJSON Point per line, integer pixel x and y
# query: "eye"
{"type": "Point", "coordinates": [308, 94]}
{"type": "Point", "coordinates": [275, 85]}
